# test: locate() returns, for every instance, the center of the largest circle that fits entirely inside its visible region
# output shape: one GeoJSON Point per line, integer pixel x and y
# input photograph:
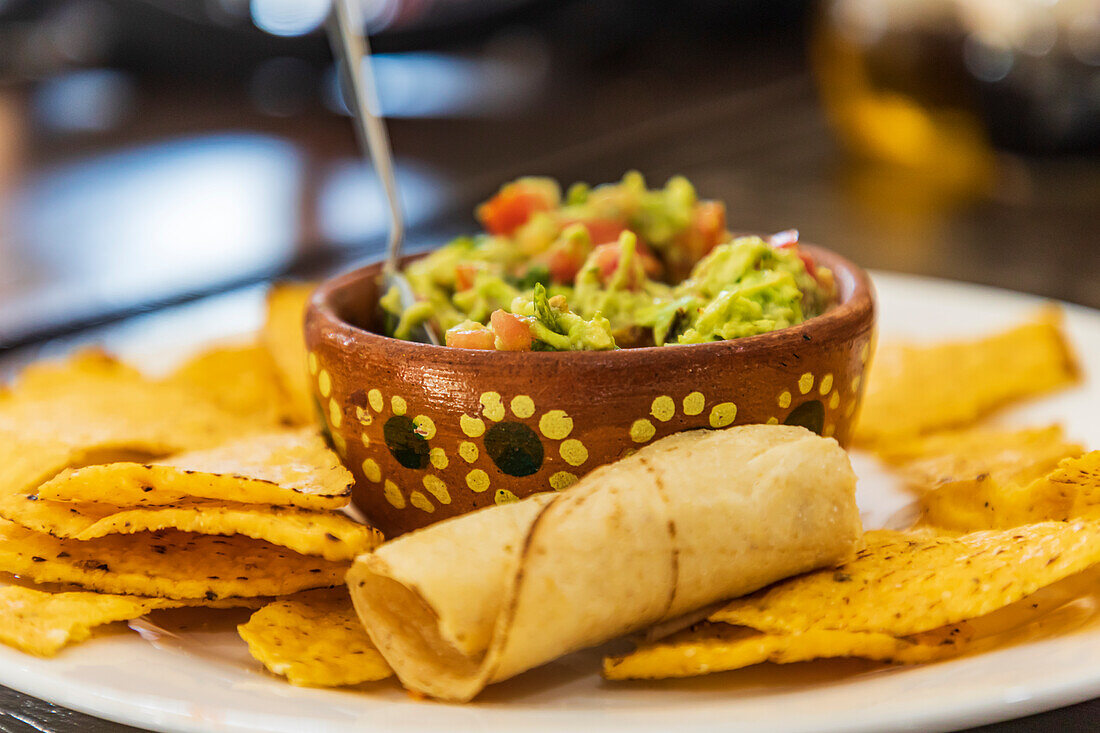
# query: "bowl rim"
{"type": "Point", "coordinates": [857, 304]}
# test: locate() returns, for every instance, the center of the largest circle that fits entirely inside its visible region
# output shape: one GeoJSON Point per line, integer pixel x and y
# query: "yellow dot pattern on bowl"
{"type": "Point", "coordinates": [834, 400]}
{"type": "Point", "coordinates": [573, 452]}
{"type": "Point", "coordinates": [784, 399]}
{"type": "Point", "coordinates": [477, 480]}
{"type": "Point", "coordinates": [393, 494]}
{"type": "Point", "coordinates": [491, 406]}
{"type": "Point", "coordinates": [468, 451]}
{"type": "Point", "coordinates": [562, 480]}
{"type": "Point", "coordinates": [438, 457]}
{"type": "Point", "coordinates": [851, 408]}
{"type": "Point", "coordinates": [865, 352]}
{"type": "Point", "coordinates": [722, 414]}
{"type": "Point", "coordinates": [340, 444]}
{"type": "Point", "coordinates": [366, 440]}
{"type": "Point", "coordinates": [335, 418]}
{"type": "Point", "coordinates": [826, 384]}
{"type": "Point", "coordinates": [829, 430]}
{"type": "Point", "coordinates": [372, 470]}
{"type": "Point", "coordinates": [437, 488]}
{"type": "Point", "coordinates": [424, 426]}
{"type": "Point", "coordinates": [663, 408]}
{"type": "Point", "coordinates": [773, 421]}
{"type": "Point", "coordinates": [694, 403]}
{"type": "Point", "coordinates": [363, 416]}
{"type": "Point", "coordinates": [642, 430]}
{"type": "Point", "coordinates": [421, 502]}
{"type": "Point", "coordinates": [374, 397]}
{"type": "Point", "coordinates": [523, 406]}
{"type": "Point", "coordinates": [398, 405]}
{"type": "Point", "coordinates": [311, 361]}
{"type": "Point", "coordinates": [806, 383]}
{"type": "Point", "coordinates": [556, 425]}
{"type": "Point", "coordinates": [855, 382]}
{"type": "Point", "coordinates": [504, 496]}
{"type": "Point", "coordinates": [472, 426]}
{"type": "Point", "coordinates": [324, 383]}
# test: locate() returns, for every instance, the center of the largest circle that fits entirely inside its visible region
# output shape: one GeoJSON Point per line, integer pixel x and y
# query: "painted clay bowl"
{"type": "Point", "coordinates": [431, 432]}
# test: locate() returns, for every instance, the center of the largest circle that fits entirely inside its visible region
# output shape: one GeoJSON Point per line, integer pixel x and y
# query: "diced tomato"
{"type": "Point", "coordinates": [474, 338]}
{"type": "Point", "coordinates": [464, 276]}
{"type": "Point", "coordinates": [564, 264]}
{"type": "Point", "coordinates": [785, 240]}
{"type": "Point", "coordinates": [512, 332]}
{"type": "Point", "coordinates": [606, 258]}
{"type": "Point", "coordinates": [706, 230]}
{"type": "Point", "coordinates": [708, 224]}
{"type": "Point", "coordinates": [600, 231]}
{"type": "Point", "coordinates": [566, 258]}
{"type": "Point", "coordinates": [808, 261]}
{"type": "Point", "coordinates": [511, 208]}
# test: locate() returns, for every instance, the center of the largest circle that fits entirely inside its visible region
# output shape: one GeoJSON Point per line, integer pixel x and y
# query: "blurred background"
{"type": "Point", "coordinates": [154, 152]}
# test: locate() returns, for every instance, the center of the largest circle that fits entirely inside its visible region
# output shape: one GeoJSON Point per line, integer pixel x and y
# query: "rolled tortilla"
{"type": "Point", "coordinates": [689, 520]}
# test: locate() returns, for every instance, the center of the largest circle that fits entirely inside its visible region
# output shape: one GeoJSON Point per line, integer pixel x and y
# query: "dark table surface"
{"type": "Point", "coordinates": [198, 193]}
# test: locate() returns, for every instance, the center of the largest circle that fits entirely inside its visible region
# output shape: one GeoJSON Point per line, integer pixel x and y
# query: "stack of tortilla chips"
{"type": "Point", "coordinates": [1007, 549]}
{"type": "Point", "coordinates": [121, 494]}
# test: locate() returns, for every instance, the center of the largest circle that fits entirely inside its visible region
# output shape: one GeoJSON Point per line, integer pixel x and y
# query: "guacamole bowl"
{"type": "Point", "coordinates": [430, 432]}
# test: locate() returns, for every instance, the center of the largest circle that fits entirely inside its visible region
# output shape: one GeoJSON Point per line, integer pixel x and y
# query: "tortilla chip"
{"type": "Point", "coordinates": [314, 639]}
{"type": "Point", "coordinates": [284, 338]}
{"type": "Point", "coordinates": [285, 468]}
{"type": "Point", "coordinates": [913, 390]}
{"type": "Point", "coordinates": [907, 583]}
{"type": "Point", "coordinates": [985, 479]}
{"type": "Point", "coordinates": [331, 535]}
{"type": "Point", "coordinates": [88, 405]}
{"type": "Point", "coordinates": [1074, 485]}
{"type": "Point", "coordinates": [239, 379]}
{"type": "Point", "coordinates": [716, 647]}
{"type": "Point", "coordinates": [167, 564]}
{"type": "Point", "coordinates": [84, 365]}
{"type": "Point", "coordinates": [40, 622]}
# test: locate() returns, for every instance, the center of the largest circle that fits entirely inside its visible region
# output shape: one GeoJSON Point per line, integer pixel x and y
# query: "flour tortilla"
{"type": "Point", "coordinates": [692, 519]}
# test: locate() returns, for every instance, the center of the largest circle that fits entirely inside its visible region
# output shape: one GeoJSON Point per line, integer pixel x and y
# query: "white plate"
{"type": "Point", "coordinates": [204, 680]}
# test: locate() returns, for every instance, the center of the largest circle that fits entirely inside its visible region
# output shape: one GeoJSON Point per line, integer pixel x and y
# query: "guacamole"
{"type": "Point", "coordinates": [615, 266]}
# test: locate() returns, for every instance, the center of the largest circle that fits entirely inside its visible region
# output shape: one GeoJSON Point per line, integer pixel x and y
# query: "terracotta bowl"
{"type": "Point", "coordinates": [431, 432]}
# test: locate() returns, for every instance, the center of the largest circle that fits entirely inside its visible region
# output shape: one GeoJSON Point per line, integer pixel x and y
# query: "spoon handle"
{"type": "Point", "coordinates": [353, 51]}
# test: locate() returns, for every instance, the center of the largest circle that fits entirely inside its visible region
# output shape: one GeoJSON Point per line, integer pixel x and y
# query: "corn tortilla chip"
{"type": "Point", "coordinates": [285, 468]}
{"type": "Point", "coordinates": [1074, 485]}
{"type": "Point", "coordinates": [314, 639]}
{"type": "Point", "coordinates": [907, 583]}
{"type": "Point", "coordinates": [89, 365]}
{"type": "Point", "coordinates": [239, 379]}
{"type": "Point", "coordinates": [167, 564]}
{"type": "Point", "coordinates": [284, 338]}
{"type": "Point", "coordinates": [715, 647]}
{"type": "Point", "coordinates": [42, 623]}
{"type": "Point", "coordinates": [985, 479]}
{"type": "Point", "coordinates": [913, 390]}
{"type": "Point", "coordinates": [331, 535]}
{"type": "Point", "coordinates": [100, 408]}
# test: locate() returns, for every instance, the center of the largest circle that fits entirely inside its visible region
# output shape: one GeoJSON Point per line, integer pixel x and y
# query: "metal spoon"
{"type": "Point", "coordinates": [352, 52]}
